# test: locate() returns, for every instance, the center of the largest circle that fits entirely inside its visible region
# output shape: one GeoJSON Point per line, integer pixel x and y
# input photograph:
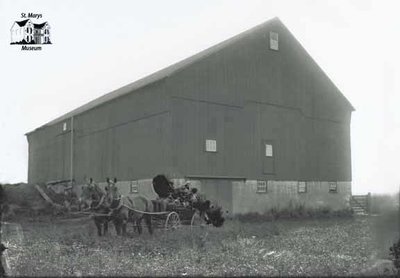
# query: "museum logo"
{"type": "Point", "coordinates": [29, 34]}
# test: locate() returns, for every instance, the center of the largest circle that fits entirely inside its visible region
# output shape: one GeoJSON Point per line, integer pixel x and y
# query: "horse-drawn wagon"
{"type": "Point", "coordinates": [174, 208]}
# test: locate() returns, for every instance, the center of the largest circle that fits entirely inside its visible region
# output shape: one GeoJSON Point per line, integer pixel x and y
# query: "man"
{"type": "Point", "coordinates": [90, 191]}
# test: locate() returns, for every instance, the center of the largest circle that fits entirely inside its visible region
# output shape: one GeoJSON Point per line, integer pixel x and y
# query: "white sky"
{"type": "Point", "coordinates": [101, 46]}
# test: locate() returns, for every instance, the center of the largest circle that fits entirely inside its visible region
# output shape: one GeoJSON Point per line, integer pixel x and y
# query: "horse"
{"type": "Point", "coordinates": [131, 209]}
{"type": "Point", "coordinates": [211, 214]}
{"type": "Point", "coordinates": [94, 200]}
{"type": "Point", "coordinates": [124, 209]}
{"type": "Point", "coordinates": [140, 203]}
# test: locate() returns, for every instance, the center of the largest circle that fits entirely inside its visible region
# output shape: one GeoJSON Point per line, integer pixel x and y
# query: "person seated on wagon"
{"type": "Point", "coordinates": [193, 196]}
{"type": "Point", "coordinates": [181, 195]}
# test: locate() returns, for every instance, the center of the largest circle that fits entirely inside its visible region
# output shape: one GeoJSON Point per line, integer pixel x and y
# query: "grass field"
{"type": "Point", "coordinates": [335, 246]}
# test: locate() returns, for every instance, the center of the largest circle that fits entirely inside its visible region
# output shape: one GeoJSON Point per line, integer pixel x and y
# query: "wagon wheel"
{"type": "Point", "coordinates": [199, 230]}
{"type": "Point", "coordinates": [173, 221]}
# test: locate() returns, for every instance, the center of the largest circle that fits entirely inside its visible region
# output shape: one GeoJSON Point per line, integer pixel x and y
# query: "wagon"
{"type": "Point", "coordinates": [174, 217]}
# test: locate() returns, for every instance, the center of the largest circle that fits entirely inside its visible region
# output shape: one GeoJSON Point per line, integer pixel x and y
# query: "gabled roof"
{"type": "Point", "coordinates": [39, 26]}
{"type": "Point", "coordinates": [161, 74]}
{"type": "Point", "coordinates": [22, 23]}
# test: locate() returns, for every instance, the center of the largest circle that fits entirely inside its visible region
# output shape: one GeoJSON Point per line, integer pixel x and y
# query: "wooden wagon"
{"type": "Point", "coordinates": [174, 217]}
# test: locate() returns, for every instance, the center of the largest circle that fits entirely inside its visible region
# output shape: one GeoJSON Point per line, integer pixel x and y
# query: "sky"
{"type": "Point", "coordinates": [99, 46]}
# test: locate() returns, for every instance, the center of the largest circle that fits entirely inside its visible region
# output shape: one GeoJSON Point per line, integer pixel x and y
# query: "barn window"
{"type": "Point", "coordinates": [273, 41]}
{"type": "Point", "coordinates": [261, 187]}
{"type": "Point", "coordinates": [211, 145]}
{"type": "Point", "coordinates": [134, 187]}
{"type": "Point", "coordinates": [269, 150]}
{"type": "Point", "coordinates": [302, 187]}
{"type": "Point", "coordinates": [64, 126]}
{"type": "Point", "coordinates": [333, 187]}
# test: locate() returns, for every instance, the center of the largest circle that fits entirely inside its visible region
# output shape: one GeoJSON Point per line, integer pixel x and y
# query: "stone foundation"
{"type": "Point", "coordinates": [284, 194]}
{"type": "Point", "coordinates": [244, 196]}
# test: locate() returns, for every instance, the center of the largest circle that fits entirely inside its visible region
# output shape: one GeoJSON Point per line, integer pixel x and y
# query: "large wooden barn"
{"type": "Point", "coordinates": [253, 122]}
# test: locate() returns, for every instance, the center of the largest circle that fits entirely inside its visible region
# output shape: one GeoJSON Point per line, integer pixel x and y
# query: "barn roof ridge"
{"type": "Point", "coordinates": [156, 76]}
{"type": "Point", "coordinates": [174, 68]}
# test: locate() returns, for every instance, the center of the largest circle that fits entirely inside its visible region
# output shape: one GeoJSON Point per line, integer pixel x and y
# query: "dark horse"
{"type": "Point", "coordinates": [96, 200]}
{"type": "Point", "coordinates": [210, 213]}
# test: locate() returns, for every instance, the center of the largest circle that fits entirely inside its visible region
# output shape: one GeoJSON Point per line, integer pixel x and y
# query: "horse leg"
{"type": "Point", "coordinates": [147, 219]}
{"type": "Point", "coordinates": [98, 226]}
{"type": "Point", "coordinates": [133, 220]}
{"type": "Point", "coordinates": [139, 225]}
{"type": "Point", "coordinates": [134, 225]}
{"type": "Point", "coordinates": [124, 223]}
{"type": "Point", "coordinates": [105, 227]}
{"type": "Point", "coordinates": [117, 224]}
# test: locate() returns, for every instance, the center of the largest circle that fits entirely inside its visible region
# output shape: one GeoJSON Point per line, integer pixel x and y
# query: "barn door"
{"type": "Point", "coordinates": [268, 157]}
{"type": "Point", "coordinates": [218, 191]}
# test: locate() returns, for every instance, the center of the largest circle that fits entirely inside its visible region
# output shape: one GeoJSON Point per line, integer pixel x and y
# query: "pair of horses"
{"type": "Point", "coordinates": [109, 205]}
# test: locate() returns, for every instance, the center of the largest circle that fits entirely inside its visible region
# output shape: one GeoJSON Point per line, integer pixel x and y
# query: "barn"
{"type": "Point", "coordinates": [253, 122]}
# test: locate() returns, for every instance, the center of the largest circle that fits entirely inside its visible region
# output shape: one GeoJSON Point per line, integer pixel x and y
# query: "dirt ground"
{"type": "Point", "coordinates": [335, 246]}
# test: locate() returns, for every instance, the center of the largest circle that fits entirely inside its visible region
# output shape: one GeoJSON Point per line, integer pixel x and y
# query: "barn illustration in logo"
{"type": "Point", "coordinates": [27, 32]}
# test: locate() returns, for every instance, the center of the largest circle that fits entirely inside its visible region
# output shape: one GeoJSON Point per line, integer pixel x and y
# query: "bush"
{"type": "Point", "coordinates": [381, 203]}
{"type": "Point", "coordinates": [395, 254]}
{"type": "Point", "coordinates": [297, 212]}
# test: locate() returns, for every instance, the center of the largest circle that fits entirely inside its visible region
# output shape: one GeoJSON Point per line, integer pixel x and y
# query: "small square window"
{"type": "Point", "coordinates": [134, 187]}
{"type": "Point", "coordinates": [261, 187]}
{"type": "Point", "coordinates": [333, 187]}
{"type": "Point", "coordinates": [211, 145]}
{"type": "Point", "coordinates": [269, 150]}
{"type": "Point", "coordinates": [273, 41]}
{"type": "Point", "coordinates": [64, 126]}
{"type": "Point", "coordinates": [302, 187]}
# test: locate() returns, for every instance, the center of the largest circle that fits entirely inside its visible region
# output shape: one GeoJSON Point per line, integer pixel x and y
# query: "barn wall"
{"type": "Point", "coordinates": [127, 138]}
{"type": "Point", "coordinates": [246, 94]}
{"type": "Point", "coordinates": [304, 149]}
{"type": "Point", "coordinates": [49, 154]}
{"type": "Point", "coordinates": [193, 123]}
